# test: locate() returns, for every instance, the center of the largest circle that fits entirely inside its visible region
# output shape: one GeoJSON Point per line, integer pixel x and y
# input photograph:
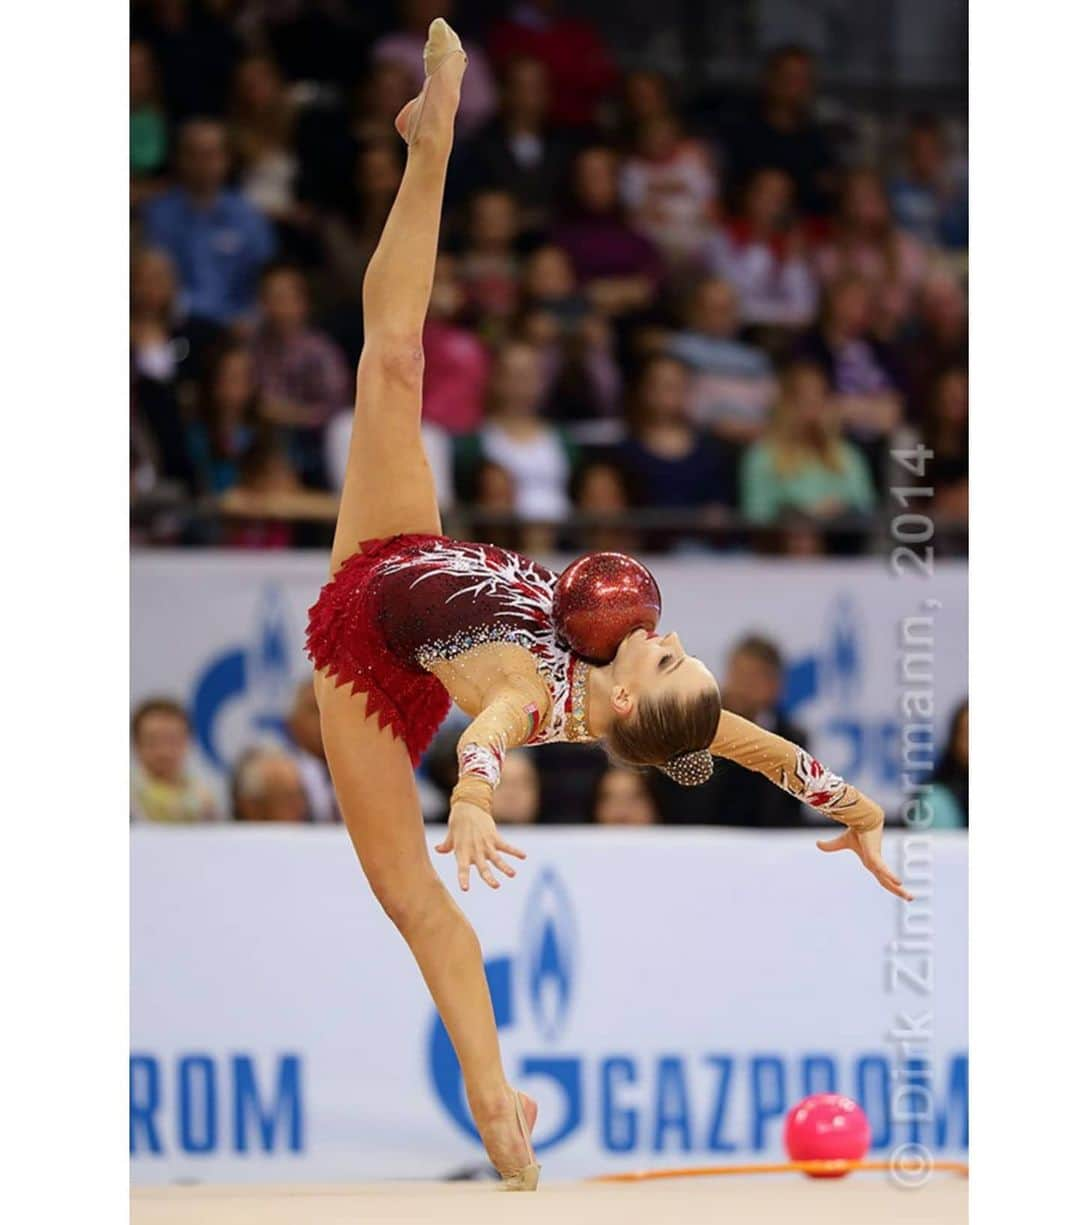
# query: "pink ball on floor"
{"type": "Point", "coordinates": [827, 1127]}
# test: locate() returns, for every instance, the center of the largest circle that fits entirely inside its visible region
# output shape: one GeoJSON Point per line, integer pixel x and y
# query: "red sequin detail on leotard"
{"type": "Point", "coordinates": [403, 603]}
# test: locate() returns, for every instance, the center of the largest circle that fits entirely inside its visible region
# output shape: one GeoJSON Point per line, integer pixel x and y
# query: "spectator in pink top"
{"type": "Point", "coordinates": [405, 47]}
{"type": "Point", "coordinates": [456, 362]}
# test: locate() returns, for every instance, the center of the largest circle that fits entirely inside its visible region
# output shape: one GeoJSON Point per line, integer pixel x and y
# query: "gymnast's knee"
{"type": "Point", "coordinates": [411, 905]}
{"type": "Point", "coordinates": [398, 359]}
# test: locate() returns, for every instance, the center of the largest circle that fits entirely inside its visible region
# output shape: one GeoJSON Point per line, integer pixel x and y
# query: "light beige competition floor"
{"type": "Point", "coordinates": [867, 1199]}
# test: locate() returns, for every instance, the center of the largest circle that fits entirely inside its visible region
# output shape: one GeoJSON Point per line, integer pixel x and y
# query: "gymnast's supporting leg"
{"type": "Point", "coordinates": [388, 489]}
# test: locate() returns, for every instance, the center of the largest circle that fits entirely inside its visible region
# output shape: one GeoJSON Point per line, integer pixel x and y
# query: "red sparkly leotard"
{"type": "Point", "coordinates": [405, 606]}
{"type": "Point", "coordinates": [402, 604]}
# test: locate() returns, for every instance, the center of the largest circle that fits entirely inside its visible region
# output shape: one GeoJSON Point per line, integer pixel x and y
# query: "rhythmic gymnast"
{"type": "Point", "coordinates": [412, 621]}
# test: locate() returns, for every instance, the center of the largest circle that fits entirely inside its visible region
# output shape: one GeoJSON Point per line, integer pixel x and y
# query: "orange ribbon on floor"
{"type": "Point", "coordinates": [833, 1168]}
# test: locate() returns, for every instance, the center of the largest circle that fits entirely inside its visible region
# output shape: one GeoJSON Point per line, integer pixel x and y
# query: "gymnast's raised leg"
{"type": "Point", "coordinates": [389, 489]}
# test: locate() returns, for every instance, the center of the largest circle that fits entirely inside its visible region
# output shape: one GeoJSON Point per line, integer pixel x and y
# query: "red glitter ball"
{"type": "Point", "coordinates": [599, 599]}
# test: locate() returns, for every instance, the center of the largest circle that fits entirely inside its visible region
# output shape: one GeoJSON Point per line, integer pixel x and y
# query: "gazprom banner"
{"type": "Point", "coordinates": [867, 651]}
{"type": "Point", "coordinates": [666, 995]}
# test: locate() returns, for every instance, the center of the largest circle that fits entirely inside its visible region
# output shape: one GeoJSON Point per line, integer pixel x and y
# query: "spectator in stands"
{"type": "Point", "coordinates": [167, 343]}
{"type": "Point", "coordinates": [582, 70]}
{"type": "Point", "coordinates": [548, 283]}
{"type": "Point", "coordinates": [267, 786]}
{"type": "Point", "coordinates": [946, 434]}
{"type": "Point", "coordinates": [672, 463]}
{"type": "Point", "coordinates": [600, 488]}
{"type": "Point", "coordinates": [489, 489]}
{"type": "Point", "coordinates": [780, 133]}
{"type": "Point", "coordinates": [261, 123]}
{"type": "Point", "coordinates": [314, 41]}
{"type": "Point", "coordinates": [537, 455]}
{"type": "Point", "coordinates": [489, 263]}
{"type": "Point", "coordinates": [457, 364]}
{"type": "Point", "coordinates": [867, 243]}
{"type": "Point", "coordinates": [732, 386]}
{"type": "Point", "coordinates": [620, 269]}
{"type": "Point", "coordinates": [670, 190]}
{"type": "Point", "coordinates": [269, 507]}
{"type": "Point", "coordinates": [405, 47]}
{"type": "Point", "coordinates": [624, 797]}
{"type": "Point", "coordinates": [752, 687]}
{"type": "Point", "coordinates": [167, 352]}
{"type": "Point", "coordinates": [582, 377]}
{"type": "Point", "coordinates": [762, 252]}
{"type": "Point", "coordinates": [216, 239]}
{"type": "Point", "coordinates": [937, 342]}
{"type": "Point", "coordinates": [332, 134]}
{"type": "Point", "coordinates": [349, 234]}
{"type": "Point", "coordinates": [930, 195]}
{"type": "Point", "coordinates": [228, 418]}
{"type": "Point", "coordinates": [305, 731]}
{"type": "Point", "coordinates": [195, 49]}
{"type": "Point", "coordinates": [163, 787]}
{"type": "Point", "coordinates": [803, 464]}
{"type": "Point", "coordinates": [388, 86]}
{"type": "Point", "coordinates": [520, 151]}
{"type": "Point", "coordinates": [863, 372]}
{"type": "Point", "coordinates": [300, 371]}
{"type": "Point", "coordinates": [148, 125]}
{"type": "Point", "coordinates": [516, 800]}
{"type": "Point", "coordinates": [646, 96]}
{"type": "Point", "coordinates": [947, 795]}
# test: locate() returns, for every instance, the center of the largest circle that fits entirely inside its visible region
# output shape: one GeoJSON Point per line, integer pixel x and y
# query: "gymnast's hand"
{"type": "Point", "coordinates": [474, 838]}
{"type": "Point", "coordinates": [867, 845]}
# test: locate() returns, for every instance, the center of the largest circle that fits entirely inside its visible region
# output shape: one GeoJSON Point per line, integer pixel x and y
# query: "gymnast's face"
{"type": "Point", "coordinates": [657, 667]}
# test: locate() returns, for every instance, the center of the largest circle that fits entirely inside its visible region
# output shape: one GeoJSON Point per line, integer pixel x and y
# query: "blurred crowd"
{"type": "Point", "coordinates": [655, 325]}
{"type": "Point", "coordinates": [286, 780]}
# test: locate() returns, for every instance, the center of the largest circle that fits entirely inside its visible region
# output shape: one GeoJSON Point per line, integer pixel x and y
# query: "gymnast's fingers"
{"type": "Point", "coordinates": [446, 846]}
{"type": "Point", "coordinates": [502, 845]}
{"type": "Point", "coordinates": [880, 868]}
{"type": "Point", "coordinates": [887, 880]}
{"type": "Point", "coordinates": [501, 863]}
{"type": "Point", "coordinates": [884, 881]}
{"type": "Point", "coordinates": [486, 874]}
{"type": "Point", "coordinates": [828, 845]}
{"type": "Point", "coordinates": [463, 866]}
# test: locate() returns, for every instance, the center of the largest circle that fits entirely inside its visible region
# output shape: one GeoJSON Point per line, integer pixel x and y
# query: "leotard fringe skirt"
{"type": "Point", "coordinates": [345, 640]}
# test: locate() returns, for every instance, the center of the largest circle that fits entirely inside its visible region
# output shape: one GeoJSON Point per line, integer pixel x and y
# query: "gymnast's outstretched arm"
{"type": "Point", "coordinates": [803, 776]}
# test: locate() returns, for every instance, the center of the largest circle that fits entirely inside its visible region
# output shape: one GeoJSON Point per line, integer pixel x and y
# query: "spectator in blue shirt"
{"type": "Point", "coordinates": [217, 240]}
{"type": "Point", "coordinates": [930, 196]}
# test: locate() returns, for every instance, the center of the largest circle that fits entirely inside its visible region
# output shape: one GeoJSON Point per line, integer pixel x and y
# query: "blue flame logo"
{"type": "Point", "coordinates": [550, 949]}
{"type": "Point", "coordinates": [258, 674]}
{"type": "Point", "coordinates": [834, 670]}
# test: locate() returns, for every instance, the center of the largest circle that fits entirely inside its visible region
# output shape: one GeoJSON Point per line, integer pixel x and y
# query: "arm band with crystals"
{"type": "Point", "coordinates": [508, 720]}
{"type": "Point", "coordinates": [795, 771]}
